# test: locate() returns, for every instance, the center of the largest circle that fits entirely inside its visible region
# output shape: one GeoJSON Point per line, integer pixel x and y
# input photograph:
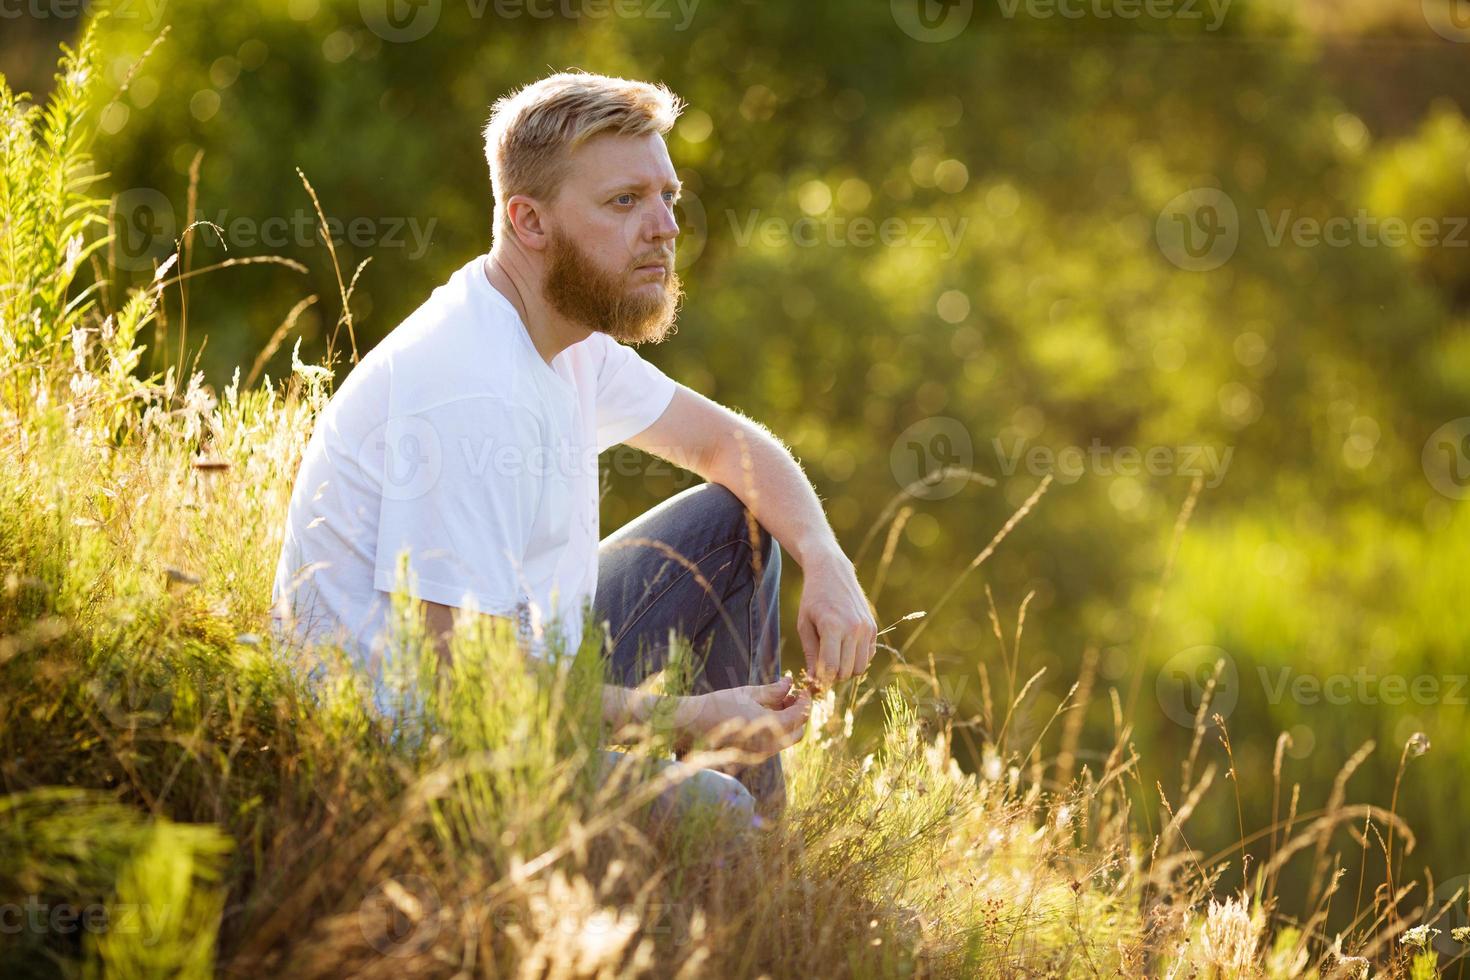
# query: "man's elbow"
{"type": "Point", "coordinates": [737, 452]}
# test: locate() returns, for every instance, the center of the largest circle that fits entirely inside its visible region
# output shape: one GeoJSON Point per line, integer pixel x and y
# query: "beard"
{"type": "Point", "coordinates": [580, 290]}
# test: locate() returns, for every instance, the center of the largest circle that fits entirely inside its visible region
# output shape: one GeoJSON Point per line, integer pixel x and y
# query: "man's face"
{"type": "Point", "coordinates": [610, 266]}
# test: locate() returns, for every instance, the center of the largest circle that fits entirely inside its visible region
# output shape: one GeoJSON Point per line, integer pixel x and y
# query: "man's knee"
{"type": "Point", "coordinates": [729, 511]}
{"type": "Point", "coordinates": [715, 789]}
{"type": "Point", "coordinates": [707, 790]}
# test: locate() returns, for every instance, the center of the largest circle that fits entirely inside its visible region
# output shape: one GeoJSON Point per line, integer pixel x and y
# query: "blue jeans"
{"type": "Point", "coordinates": [697, 564]}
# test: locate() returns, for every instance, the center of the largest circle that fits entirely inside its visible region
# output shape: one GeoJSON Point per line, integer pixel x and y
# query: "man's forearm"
{"type": "Point", "coordinates": [624, 706]}
{"type": "Point", "coordinates": [768, 479]}
{"type": "Point", "coordinates": [626, 710]}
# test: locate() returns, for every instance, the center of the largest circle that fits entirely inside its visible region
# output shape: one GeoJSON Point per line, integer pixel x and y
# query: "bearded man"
{"type": "Point", "coordinates": [465, 446]}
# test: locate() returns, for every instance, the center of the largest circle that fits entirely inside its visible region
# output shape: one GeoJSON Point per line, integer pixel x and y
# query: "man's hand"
{"type": "Point", "coordinates": [836, 624]}
{"type": "Point", "coordinates": [761, 719]}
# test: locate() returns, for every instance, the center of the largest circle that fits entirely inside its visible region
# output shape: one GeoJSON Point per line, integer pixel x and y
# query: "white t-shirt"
{"type": "Point", "coordinates": [455, 444]}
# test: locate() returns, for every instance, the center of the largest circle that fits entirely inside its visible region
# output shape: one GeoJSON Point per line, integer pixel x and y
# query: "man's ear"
{"type": "Point", "coordinates": [526, 218]}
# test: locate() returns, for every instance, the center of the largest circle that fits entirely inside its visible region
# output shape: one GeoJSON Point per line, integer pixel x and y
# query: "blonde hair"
{"type": "Point", "coordinates": [533, 130]}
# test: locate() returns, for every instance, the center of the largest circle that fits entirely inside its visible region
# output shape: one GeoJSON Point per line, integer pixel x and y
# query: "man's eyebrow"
{"type": "Point", "coordinates": [673, 184]}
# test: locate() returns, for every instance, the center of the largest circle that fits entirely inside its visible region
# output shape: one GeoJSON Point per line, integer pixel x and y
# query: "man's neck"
{"type": "Point", "coordinates": [551, 332]}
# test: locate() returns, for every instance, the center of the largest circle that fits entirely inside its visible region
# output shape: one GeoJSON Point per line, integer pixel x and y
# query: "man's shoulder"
{"type": "Point", "coordinates": [455, 345]}
{"type": "Point", "coordinates": [597, 353]}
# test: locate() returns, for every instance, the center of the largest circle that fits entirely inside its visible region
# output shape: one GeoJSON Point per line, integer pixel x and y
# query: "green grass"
{"type": "Point", "coordinates": [181, 797]}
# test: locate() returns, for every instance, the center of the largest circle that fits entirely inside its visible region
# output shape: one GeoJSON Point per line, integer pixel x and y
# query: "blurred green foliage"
{"type": "Point", "coordinates": [1030, 296]}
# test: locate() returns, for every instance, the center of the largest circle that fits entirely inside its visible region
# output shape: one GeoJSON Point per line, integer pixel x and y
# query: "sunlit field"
{"type": "Point", "coordinates": [1159, 744]}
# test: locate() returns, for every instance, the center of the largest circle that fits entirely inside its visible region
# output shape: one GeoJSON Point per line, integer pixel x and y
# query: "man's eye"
{"type": "Point", "coordinates": [671, 196]}
{"type": "Point", "coordinates": [624, 199]}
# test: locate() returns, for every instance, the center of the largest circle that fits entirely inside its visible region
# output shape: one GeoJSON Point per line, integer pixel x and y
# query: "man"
{"type": "Point", "coordinates": [466, 445]}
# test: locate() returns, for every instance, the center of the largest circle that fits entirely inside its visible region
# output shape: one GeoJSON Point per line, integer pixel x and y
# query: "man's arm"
{"type": "Point", "coordinates": [834, 620]}
{"type": "Point", "coordinates": [761, 719]}
{"type": "Point", "coordinates": [621, 706]}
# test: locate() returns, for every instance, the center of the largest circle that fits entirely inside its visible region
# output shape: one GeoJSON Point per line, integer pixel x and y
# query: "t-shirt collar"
{"type": "Point", "coordinates": [484, 286]}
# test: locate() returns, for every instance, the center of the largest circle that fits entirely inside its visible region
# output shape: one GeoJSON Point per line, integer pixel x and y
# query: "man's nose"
{"type": "Point", "coordinates": [660, 225]}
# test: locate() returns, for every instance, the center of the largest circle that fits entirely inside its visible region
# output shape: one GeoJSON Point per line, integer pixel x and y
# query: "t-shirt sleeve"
{"type": "Point", "coordinates": [631, 394]}
{"type": "Point", "coordinates": [459, 500]}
